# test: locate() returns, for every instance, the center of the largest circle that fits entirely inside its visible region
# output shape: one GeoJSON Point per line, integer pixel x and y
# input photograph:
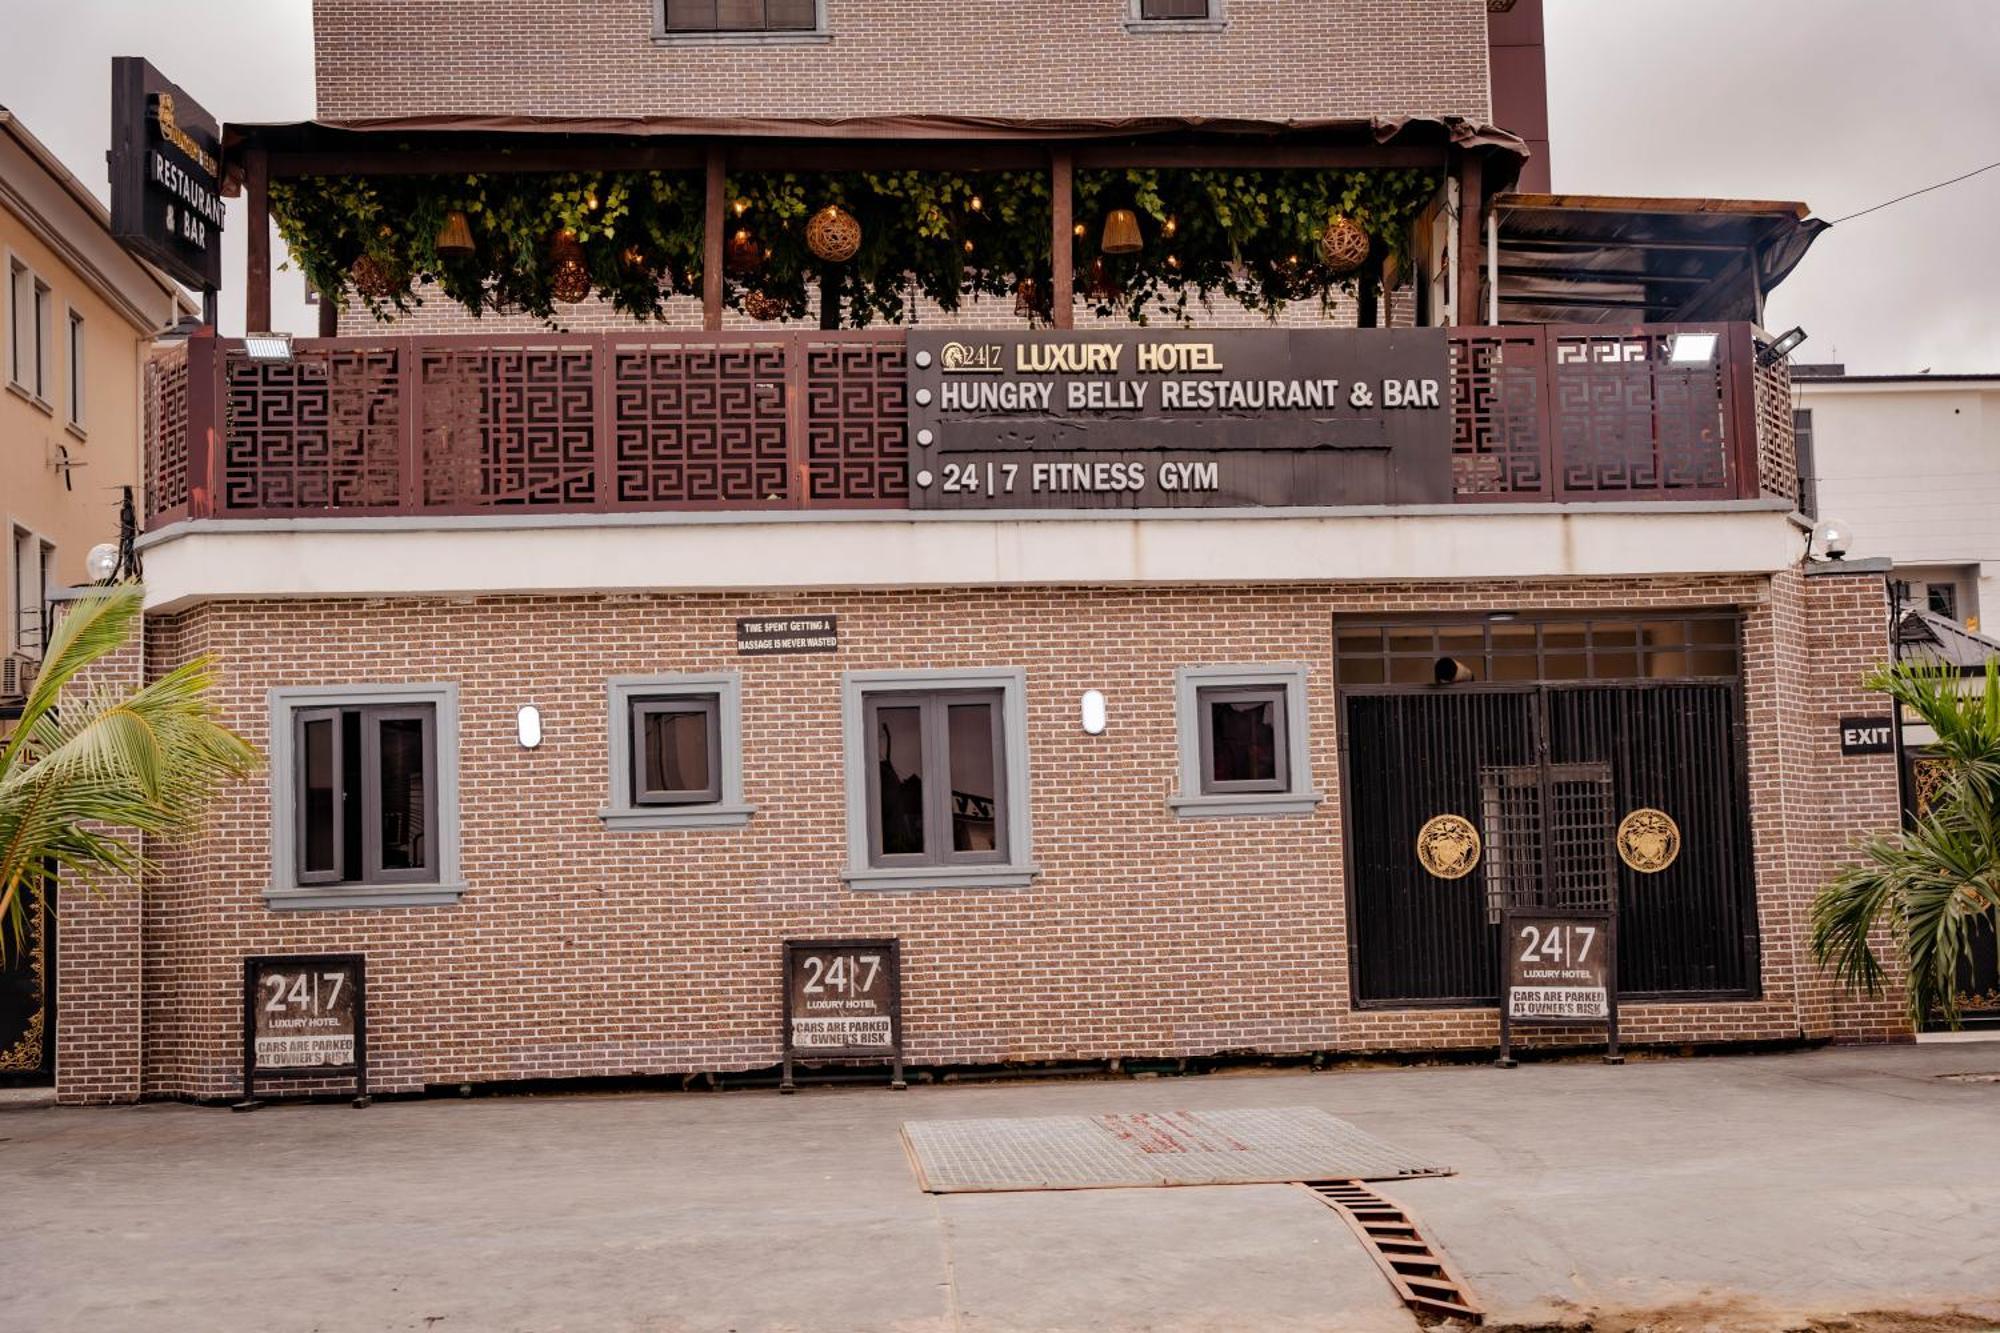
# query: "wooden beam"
{"type": "Point", "coordinates": [257, 262]}
{"type": "Point", "coordinates": [1726, 277]}
{"type": "Point", "coordinates": [1599, 275]}
{"type": "Point", "coordinates": [1471, 240]}
{"type": "Point", "coordinates": [464, 161]}
{"type": "Point", "coordinates": [1251, 156]}
{"type": "Point", "coordinates": [1611, 243]}
{"type": "Point", "coordinates": [714, 212]}
{"type": "Point", "coordinates": [1062, 254]}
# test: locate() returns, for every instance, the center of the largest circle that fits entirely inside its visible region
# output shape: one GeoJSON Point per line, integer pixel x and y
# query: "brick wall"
{"type": "Point", "coordinates": [1046, 58]}
{"type": "Point", "coordinates": [578, 951]}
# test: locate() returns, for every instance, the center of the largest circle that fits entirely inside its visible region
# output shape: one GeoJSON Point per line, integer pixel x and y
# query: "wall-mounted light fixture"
{"type": "Point", "coordinates": [528, 724]}
{"type": "Point", "coordinates": [1094, 712]}
{"type": "Point", "coordinates": [1771, 353]}
{"type": "Point", "coordinates": [1691, 349]}
{"type": "Point", "coordinates": [268, 346]}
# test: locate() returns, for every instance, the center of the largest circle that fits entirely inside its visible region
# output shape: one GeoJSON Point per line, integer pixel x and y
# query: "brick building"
{"type": "Point", "coordinates": [1163, 691]}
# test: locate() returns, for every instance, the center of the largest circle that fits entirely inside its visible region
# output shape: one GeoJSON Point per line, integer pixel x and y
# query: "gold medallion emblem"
{"type": "Point", "coordinates": [1448, 846]}
{"type": "Point", "coordinates": [1648, 841]}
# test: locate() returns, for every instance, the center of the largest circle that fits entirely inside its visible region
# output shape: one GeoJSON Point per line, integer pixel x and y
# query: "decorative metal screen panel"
{"type": "Point", "coordinates": [1548, 835]}
{"type": "Point", "coordinates": [1777, 452]}
{"type": "Point", "coordinates": [166, 429]}
{"type": "Point", "coordinates": [1628, 420]}
{"type": "Point", "coordinates": [857, 442]}
{"type": "Point", "coordinates": [698, 423]}
{"type": "Point", "coordinates": [320, 431]}
{"type": "Point", "coordinates": [1499, 427]}
{"type": "Point", "coordinates": [507, 427]}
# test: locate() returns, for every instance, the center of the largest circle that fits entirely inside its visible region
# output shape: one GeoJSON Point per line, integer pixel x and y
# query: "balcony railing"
{"type": "Point", "coordinates": [620, 423]}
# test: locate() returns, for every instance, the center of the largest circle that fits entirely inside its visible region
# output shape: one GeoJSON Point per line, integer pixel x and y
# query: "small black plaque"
{"type": "Point", "coordinates": [767, 636]}
{"type": "Point", "coordinates": [1867, 735]}
{"type": "Point", "coordinates": [844, 1001]}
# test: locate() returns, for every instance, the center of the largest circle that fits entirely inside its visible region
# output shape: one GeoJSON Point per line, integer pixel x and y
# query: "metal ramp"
{"type": "Point", "coordinates": [1417, 1269]}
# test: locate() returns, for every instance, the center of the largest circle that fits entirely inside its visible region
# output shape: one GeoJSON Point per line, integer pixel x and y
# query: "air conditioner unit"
{"type": "Point", "coordinates": [17, 673]}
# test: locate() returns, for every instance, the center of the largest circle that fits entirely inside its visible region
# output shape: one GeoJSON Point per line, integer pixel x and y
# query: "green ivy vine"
{"type": "Point", "coordinates": [1246, 236]}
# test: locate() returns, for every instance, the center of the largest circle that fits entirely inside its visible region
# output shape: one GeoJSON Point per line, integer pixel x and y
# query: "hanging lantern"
{"type": "Point", "coordinates": [1344, 245]}
{"type": "Point", "coordinates": [763, 307]}
{"type": "Point", "coordinates": [1025, 299]}
{"type": "Point", "coordinates": [743, 254]}
{"type": "Point", "coordinates": [569, 278]}
{"type": "Point", "coordinates": [1103, 287]}
{"type": "Point", "coordinates": [454, 239]}
{"type": "Point", "coordinates": [833, 234]}
{"type": "Point", "coordinates": [378, 279]}
{"type": "Point", "coordinates": [1121, 233]}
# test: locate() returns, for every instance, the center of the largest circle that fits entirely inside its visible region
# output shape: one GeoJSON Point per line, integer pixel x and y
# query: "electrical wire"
{"type": "Point", "coordinates": [1914, 193]}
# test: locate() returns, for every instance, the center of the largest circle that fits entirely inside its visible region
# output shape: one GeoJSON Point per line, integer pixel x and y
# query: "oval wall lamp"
{"type": "Point", "coordinates": [1094, 712]}
{"type": "Point", "coordinates": [529, 723]}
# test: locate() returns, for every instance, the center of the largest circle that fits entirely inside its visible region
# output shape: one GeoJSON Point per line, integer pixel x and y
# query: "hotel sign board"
{"type": "Point", "coordinates": [305, 1014]}
{"type": "Point", "coordinates": [1139, 419]}
{"type": "Point", "coordinates": [1558, 968]}
{"type": "Point", "coordinates": [166, 175]}
{"type": "Point", "coordinates": [843, 1000]}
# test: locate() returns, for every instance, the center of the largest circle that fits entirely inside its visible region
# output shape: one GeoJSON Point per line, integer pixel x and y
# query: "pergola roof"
{"type": "Point", "coordinates": [1928, 636]}
{"type": "Point", "coordinates": [1572, 258]}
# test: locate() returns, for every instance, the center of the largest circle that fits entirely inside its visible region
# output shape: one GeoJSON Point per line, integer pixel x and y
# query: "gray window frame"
{"type": "Point", "coordinates": [709, 708]}
{"type": "Point", "coordinates": [1198, 797]}
{"type": "Point", "coordinates": [818, 34]}
{"type": "Point", "coordinates": [441, 882]}
{"type": "Point", "coordinates": [1205, 698]}
{"type": "Point", "coordinates": [1216, 20]}
{"type": "Point", "coordinates": [935, 732]}
{"type": "Point", "coordinates": [726, 808]}
{"type": "Point", "coordinates": [1011, 864]}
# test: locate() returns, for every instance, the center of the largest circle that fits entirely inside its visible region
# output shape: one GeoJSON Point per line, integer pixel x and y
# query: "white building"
{"type": "Point", "coordinates": [1910, 464]}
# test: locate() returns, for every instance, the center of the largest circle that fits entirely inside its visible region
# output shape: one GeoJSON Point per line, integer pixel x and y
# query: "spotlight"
{"type": "Point", "coordinates": [1786, 343]}
{"type": "Point", "coordinates": [268, 346]}
{"type": "Point", "coordinates": [1691, 349]}
{"type": "Point", "coordinates": [1451, 671]}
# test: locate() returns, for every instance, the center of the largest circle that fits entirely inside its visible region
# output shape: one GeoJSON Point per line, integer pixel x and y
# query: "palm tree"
{"type": "Point", "coordinates": [80, 778]}
{"type": "Point", "coordinates": [1927, 887]}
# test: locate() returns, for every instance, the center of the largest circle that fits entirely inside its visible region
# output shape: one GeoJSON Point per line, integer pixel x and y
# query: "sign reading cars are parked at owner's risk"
{"type": "Point", "coordinates": [304, 1012]}
{"type": "Point", "coordinates": [843, 998]}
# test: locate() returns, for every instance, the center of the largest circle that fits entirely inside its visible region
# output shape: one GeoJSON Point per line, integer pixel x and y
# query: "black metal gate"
{"type": "Point", "coordinates": [27, 1002]}
{"type": "Point", "coordinates": [1546, 772]}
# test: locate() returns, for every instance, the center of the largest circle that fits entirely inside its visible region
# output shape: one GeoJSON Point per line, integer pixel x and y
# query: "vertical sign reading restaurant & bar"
{"type": "Point", "coordinates": [166, 175]}
{"type": "Point", "coordinates": [1141, 419]}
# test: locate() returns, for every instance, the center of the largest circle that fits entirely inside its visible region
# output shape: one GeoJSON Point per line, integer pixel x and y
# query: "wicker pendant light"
{"type": "Point", "coordinates": [1343, 245]}
{"type": "Point", "coordinates": [377, 279]}
{"type": "Point", "coordinates": [1103, 286]}
{"type": "Point", "coordinates": [1121, 233]}
{"type": "Point", "coordinates": [569, 278]}
{"type": "Point", "coordinates": [454, 239]}
{"type": "Point", "coordinates": [833, 234]}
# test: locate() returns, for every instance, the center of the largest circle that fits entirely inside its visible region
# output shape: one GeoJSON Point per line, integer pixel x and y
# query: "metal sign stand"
{"type": "Point", "coordinates": [799, 957]}
{"type": "Point", "coordinates": [253, 969]}
{"type": "Point", "coordinates": [1554, 929]}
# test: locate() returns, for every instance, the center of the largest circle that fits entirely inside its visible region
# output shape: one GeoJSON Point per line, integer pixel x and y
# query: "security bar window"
{"type": "Point", "coordinates": [753, 16]}
{"type": "Point", "coordinates": [366, 794]}
{"type": "Point", "coordinates": [936, 791]}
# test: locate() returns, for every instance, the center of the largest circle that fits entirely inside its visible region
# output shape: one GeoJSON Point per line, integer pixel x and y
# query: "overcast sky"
{"type": "Point", "coordinates": [1840, 103]}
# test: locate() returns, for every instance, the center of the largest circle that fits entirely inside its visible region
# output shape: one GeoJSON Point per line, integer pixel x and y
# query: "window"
{"type": "Point", "coordinates": [1243, 741]}
{"type": "Point", "coordinates": [28, 304]}
{"type": "Point", "coordinates": [1524, 649]}
{"type": "Point", "coordinates": [1942, 599]}
{"type": "Point", "coordinates": [680, 18]}
{"type": "Point", "coordinates": [33, 565]}
{"type": "Point", "coordinates": [75, 381]}
{"type": "Point", "coordinates": [937, 779]}
{"type": "Point", "coordinates": [1802, 449]}
{"type": "Point", "coordinates": [1175, 16]}
{"type": "Point", "coordinates": [365, 792]}
{"type": "Point", "coordinates": [676, 752]}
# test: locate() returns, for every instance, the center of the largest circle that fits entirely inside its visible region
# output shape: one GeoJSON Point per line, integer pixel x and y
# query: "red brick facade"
{"type": "Point", "coordinates": [1271, 59]}
{"type": "Point", "coordinates": [580, 951]}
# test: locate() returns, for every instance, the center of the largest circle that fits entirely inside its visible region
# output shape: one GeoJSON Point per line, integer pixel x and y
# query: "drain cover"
{"type": "Point", "coordinates": [1972, 1078]}
{"type": "Point", "coordinates": [1244, 1147]}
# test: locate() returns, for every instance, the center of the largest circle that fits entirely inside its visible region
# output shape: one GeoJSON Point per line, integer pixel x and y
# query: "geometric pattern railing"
{"type": "Point", "coordinates": [1585, 412]}
{"type": "Point", "coordinates": [634, 422]}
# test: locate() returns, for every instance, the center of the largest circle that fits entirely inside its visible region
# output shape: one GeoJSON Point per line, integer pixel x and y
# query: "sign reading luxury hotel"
{"type": "Point", "coordinates": [1558, 967]}
{"type": "Point", "coordinates": [1144, 419]}
{"type": "Point", "coordinates": [305, 1014]}
{"type": "Point", "coordinates": [843, 1000]}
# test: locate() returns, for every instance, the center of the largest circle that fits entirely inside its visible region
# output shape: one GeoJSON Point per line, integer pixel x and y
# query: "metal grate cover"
{"type": "Point", "coordinates": [1243, 1147]}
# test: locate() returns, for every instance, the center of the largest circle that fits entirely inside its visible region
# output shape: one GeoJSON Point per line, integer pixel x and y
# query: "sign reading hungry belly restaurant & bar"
{"type": "Point", "coordinates": [1142, 419]}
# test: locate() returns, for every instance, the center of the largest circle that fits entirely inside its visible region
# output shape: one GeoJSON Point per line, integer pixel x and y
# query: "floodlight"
{"type": "Point", "coordinates": [1786, 343]}
{"type": "Point", "coordinates": [1692, 349]}
{"type": "Point", "coordinates": [268, 346]}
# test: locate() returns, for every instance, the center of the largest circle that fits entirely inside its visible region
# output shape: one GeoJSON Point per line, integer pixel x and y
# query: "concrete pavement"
{"type": "Point", "coordinates": [1743, 1193]}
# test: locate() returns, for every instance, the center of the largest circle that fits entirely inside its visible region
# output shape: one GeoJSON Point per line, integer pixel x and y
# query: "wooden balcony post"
{"type": "Point", "coordinates": [257, 264]}
{"type": "Point", "coordinates": [1062, 253]}
{"type": "Point", "coordinates": [714, 212]}
{"type": "Point", "coordinates": [1471, 241]}
{"type": "Point", "coordinates": [205, 404]}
